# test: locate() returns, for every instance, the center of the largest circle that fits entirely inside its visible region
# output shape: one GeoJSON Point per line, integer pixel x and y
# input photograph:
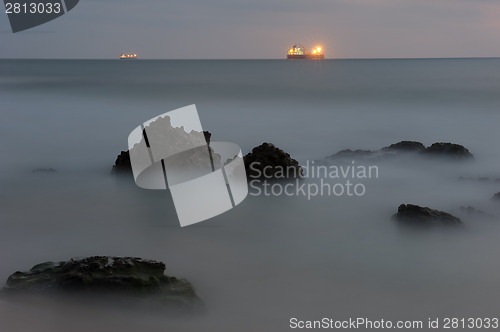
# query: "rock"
{"type": "Point", "coordinates": [450, 150]}
{"type": "Point", "coordinates": [406, 146]}
{"type": "Point", "coordinates": [496, 196]}
{"type": "Point", "coordinates": [133, 278]}
{"type": "Point", "coordinates": [268, 161]}
{"type": "Point", "coordinates": [123, 165]}
{"type": "Point", "coordinates": [418, 215]}
{"type": "Point", "coordinates": [348, 153]}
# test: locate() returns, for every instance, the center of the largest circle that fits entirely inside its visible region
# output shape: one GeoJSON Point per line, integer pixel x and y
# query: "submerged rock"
{"type": "Point", "coordinates": [133, 278]}
{"type": "Point", "coordinates": [418, 215]}
{"type": "Point", "coordinates": [450, 150]}
{"type": "Point", "coordinates": [406, 146]}
{"type": "Point", "coordinates": [348, 153]}
{"type": "Point", "coordinates": [268, 161]}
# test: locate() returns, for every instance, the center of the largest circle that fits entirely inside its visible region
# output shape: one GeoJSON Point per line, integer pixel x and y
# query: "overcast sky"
{"type": "Point", "coordinates": [204, 29]}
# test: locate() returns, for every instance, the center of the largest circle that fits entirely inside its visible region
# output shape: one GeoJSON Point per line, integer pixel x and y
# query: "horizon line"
{"type": "Point", "coordinates": [259, 59]}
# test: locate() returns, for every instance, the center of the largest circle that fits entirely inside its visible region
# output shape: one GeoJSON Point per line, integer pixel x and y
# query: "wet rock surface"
{"type": "Point", "coordinates": [268, 161]}
{"type": "Point", "coordinates": [406, 146]}
{"type": "Point", "coordinates": [450, 150]}
{"type": "Point", "coordinates": [126, 277]}
{"type": "Point", "coordinates": [441, 150]}
{"type": "Point", "coordinates": [424, 216]}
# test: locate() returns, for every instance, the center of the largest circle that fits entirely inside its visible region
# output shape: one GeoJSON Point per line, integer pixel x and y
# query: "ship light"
{"type": "Point", "coordinates": [314, 51]}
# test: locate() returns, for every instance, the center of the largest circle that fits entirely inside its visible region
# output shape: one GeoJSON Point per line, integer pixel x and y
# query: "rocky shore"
{"type": "Point", "coordinates": [437, 150]}
{"type": "Point", "coordinates": [132, 279]}
{"type": "Point", "coordinates": [424, 216]}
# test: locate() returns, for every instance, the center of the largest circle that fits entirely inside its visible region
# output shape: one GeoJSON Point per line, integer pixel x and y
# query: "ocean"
{"type": "Point", "coordinates": [271, 258]}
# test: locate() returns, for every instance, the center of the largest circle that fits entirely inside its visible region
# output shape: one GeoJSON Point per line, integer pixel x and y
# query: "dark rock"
{"type": "Point", "coordinates": [418, 215]}
{"type": "Point", "coordinates": [496, 196]}
{"type": "Point", "coordinates": [123, 276]}
{"type": "Point", "coordinates": [406, 146]}
{"type": "Point", "coordinates": [268, 161]}
{"type": "Point", "coordinates": [123, 165]}
{"type": "Point", "coordinates": [450, 150]}
{"type": "Point", "coordinates": [352, 153]}
{"type": "Point", "coordinates": [44, 170]}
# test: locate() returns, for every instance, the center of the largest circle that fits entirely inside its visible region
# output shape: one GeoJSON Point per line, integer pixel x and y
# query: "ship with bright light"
{"type": "Point", "coordinates": [128, 56]}
{"type": "Point", "coordinates": [297, 52]}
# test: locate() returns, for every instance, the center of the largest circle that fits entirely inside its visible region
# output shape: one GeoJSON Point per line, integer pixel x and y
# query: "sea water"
{"type": "Point", "coordinates": [271, 258]}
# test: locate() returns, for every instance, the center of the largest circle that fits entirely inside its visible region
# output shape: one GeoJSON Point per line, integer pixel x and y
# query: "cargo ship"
{"type": "Point", "coordinates": [128, 56]}
{"type": "Point", "coordinates": [298, 51]}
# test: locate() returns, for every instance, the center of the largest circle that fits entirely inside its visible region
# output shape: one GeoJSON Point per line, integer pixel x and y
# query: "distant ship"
{"type": "Point", "coordinates": [128, 56]}
{"type": "Point", "coordinates": [297, 52]}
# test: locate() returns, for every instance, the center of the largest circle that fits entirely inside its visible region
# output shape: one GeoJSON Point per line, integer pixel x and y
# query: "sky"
{"type": "Point", "coordinates": [258, 29]}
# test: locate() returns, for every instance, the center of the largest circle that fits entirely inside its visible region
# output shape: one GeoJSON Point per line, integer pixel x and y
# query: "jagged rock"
{"type": "Point", "coordinates": [123, 165]}
{"type": "Point", "coordinates": [268, 161]}
{"type": "Point", "coordinates": [450, 150]}
{"type": "Point", "coordinates": [406, 146]}
{"type": "Point", "coordinates": [352, 153]}
{"type": "Point", "coordinates": [133, 278]}
{"type": "Point", "coordinates": [418, 215]}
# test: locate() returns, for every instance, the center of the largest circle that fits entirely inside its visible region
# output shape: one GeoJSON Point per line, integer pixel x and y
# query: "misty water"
{"type": "Point", "coordinates": [270, 258]}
